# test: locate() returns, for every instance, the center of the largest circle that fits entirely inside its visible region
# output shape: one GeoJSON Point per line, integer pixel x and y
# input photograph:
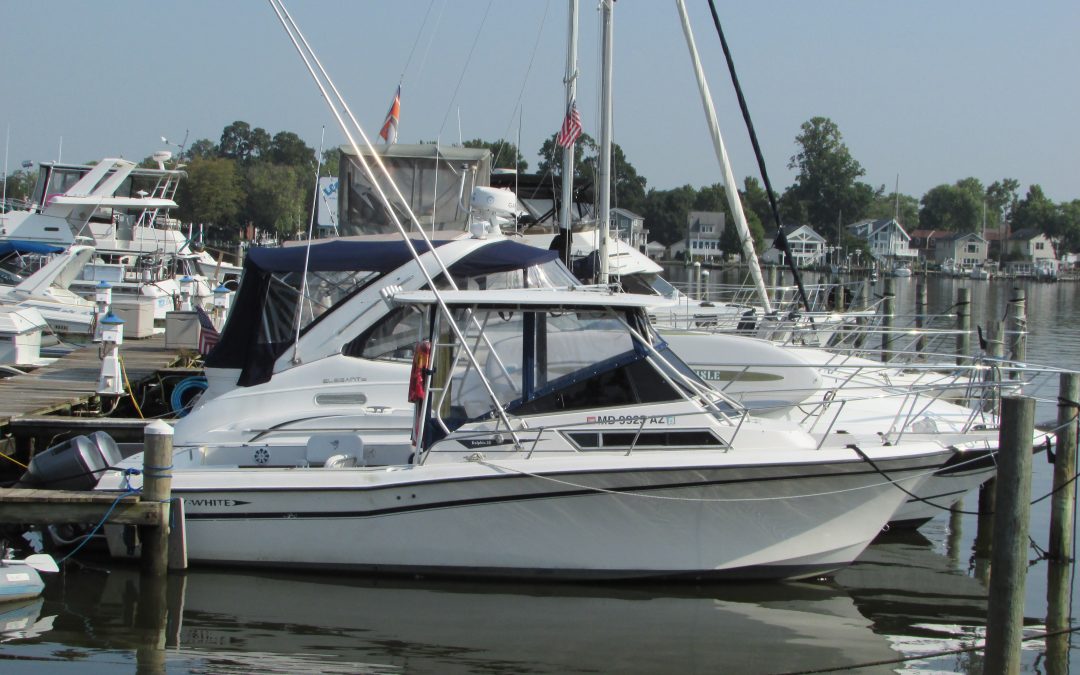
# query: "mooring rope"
{"type": "Point", "coordinates": [480, 459]}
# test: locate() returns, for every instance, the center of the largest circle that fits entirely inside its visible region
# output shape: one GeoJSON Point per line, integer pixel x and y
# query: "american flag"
{"type": "Point", "coordinates": [208, 335]}
{"type": "Point", "coordinates": [389, 127]}
{"type": "Point", "coordinates": [571, 127]}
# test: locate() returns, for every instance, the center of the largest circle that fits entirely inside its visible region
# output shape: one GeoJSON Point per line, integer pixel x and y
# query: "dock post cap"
{"type": "Point", "coordinates": [158, 428]}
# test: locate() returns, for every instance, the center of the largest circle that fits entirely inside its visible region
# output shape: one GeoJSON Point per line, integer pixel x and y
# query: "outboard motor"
{"type": "Point", "coordinates": [75, 464]}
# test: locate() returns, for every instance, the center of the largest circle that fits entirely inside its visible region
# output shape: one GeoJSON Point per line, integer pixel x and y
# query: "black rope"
{"type": "Point", "coordinates": [909, 493]}
{"type": "Point", "coordinates": [781, 238]}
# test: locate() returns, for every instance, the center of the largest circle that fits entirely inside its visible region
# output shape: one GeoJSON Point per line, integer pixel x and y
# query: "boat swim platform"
{"type": "Point", "coordinates": [47, 401]}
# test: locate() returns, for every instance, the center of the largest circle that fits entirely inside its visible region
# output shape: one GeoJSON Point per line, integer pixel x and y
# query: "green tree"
{"type": "Point", "coordinates": [955, 208]}
{"type": "Point", "coordinates": [627, 187]}
{"type": "Point", "coordinates": [665, 213]}
{"type": "Point", "coordinates": [242, 143]}
{"type": "Point", "coordinates": [331, 162]}
{"type": "Point", "coordinates": [504, 154]}
{"type": "Point", "coordinates": [551, 156]}
{"type": "Point", "coordinates": [904, 208]}
{"type": "Point", "coordinates": [1001, 198]}
{"type": "Point", "coordinates": [1036, 211]}
{"type": "Point", "coordinates": [277, 197]}
{"type": "Point", "coordinates": [213, 194]}
{"type": "Point", "coordinates": [204, 148]}
{"type": "Point", "coordinates": [826, 184]}
{"type": "Point", "coordinates": [1069, 215]}
{"type": "Point", "coordinates": [756, 200]}
{"type": "Point", "coordinates": [288, 148]}
{"type": "Point", "coordinates": [20, 184]}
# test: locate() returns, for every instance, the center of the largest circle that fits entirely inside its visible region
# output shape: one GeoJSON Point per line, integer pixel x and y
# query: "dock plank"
{"type": "Point", "coordinates": [72, 379]}
{"type": "Point", "coordinates": [55, 507]}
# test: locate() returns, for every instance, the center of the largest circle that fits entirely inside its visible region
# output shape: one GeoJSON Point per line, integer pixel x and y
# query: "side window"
{"type": "Point", "coordinates": [391, 339]}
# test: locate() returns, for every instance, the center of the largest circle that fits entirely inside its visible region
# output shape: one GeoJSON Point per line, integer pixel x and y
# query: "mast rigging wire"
{"type": "Point", "coordinates": [781, 238]}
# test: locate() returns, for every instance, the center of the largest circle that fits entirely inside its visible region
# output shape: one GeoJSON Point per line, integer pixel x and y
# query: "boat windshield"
{"type": "Point", "coordinates": [546, 361]}
{"type": "Point", "coordinates": [648, 283]}
{"type": "Point", "coordinates": [393, 337]}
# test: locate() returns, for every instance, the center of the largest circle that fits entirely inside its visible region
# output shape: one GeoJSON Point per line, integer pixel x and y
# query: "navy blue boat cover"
{"type": "Point", "coordinates": [243, 343]}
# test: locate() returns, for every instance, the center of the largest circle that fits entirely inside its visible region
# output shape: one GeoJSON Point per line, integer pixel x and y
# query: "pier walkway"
{"type": "Point", "coordinates": [61, 398]}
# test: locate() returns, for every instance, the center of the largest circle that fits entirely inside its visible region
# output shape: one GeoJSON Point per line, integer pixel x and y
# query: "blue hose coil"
{"type": "Point", "coordinates": [182, 388]}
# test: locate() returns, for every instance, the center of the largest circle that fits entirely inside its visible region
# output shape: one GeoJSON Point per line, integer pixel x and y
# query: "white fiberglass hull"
{"type": "Point", "coordinates": [699, 515]}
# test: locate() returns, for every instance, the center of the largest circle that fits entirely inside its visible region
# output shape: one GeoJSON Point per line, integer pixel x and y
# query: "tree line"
{"type": "Point", "coordinates": [250, 178]}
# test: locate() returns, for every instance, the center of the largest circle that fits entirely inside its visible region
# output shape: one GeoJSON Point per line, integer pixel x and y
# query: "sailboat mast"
{"type": "Point", "coordinates": [603, 172]}
{"type": "Point", "coordinates": [566, 212]}
{"type": "Point", "coordinates": [730, 188]}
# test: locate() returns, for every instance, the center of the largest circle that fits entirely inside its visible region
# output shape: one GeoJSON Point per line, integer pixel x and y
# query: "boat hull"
{"type": "Point", "coordinates": [538, 518]}
{"type": "Point", "coordinates": [19, 582]}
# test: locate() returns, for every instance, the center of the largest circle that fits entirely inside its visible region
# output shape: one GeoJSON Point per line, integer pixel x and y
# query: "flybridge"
{"type": "Point", "coordinates": [108, 203]}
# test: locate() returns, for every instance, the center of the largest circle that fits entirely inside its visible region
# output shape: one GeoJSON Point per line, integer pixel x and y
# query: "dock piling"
{"type": "Point", "coordinates": [920, 312]}
{"type": "Point", "coordinates": [963, 326]}
{"type": "Point", "coordinates": [157, 487]}
{"type": "Point", "coordinates": [1063, 503]}
{"type": "Point", "coordinates": [887, 318]}
{"type": "Point", "coordinates": [1009, 556]}
{"type": "Point", "coordinates": [1018, 327]}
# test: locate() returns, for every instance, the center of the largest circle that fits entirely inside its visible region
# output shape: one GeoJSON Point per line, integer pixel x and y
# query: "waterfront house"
{"type": "Point", "coordinates": [923, 242]}
{"type": "Point", "coordinates": [630, 227]}
{"type": "Point", "coordinates": [806, 245]}
{"type": "Point", "coordinates": [886, 239]}
{"type": "Point", "coordinates": [656, 250]}
{"type": "Point", "coordinates": [704, 229]}
{"type": "Point", "coordinates": [1030, 253]}
{"type": "Point", "coordinates": [963, 248]}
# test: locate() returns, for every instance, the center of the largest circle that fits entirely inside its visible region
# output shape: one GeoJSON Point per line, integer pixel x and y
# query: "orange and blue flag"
{"type": "Point", "coordinates": [390, 126]}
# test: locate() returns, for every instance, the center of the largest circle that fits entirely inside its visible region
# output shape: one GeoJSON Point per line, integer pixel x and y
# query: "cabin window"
{"type": "Point", "coordinates": [323, 289]}
{"type": "Point", "coordinates": [392, 338]}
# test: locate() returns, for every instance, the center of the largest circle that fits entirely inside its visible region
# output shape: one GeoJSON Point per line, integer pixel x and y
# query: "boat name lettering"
{"type": "Point", "coordinates": [214, 502]}
{"type": "Point", "coordinates": [343, 380]}
{"type": "Point", "coordinates": [629, 419]}
{"type": "Point", "coordinates": [482, 442]}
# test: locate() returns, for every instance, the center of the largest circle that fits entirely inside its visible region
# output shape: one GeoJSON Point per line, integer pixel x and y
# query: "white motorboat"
{"type": "Point", "coordinates": [594, 454]}
{"type": "Point", "coordinates": [854, 395]}
{"type": "Point", "coordinates": [122, 211]}
{"type": "Point", "coordinates": [47, 291]}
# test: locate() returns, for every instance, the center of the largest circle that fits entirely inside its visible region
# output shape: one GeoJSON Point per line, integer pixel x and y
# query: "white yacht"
{"type": "Point", "coordinates": [122, 211]}
{"type": "Point", "coordinates": [550, 433]}
{"type": "Point", "coordinates": [47, 291]}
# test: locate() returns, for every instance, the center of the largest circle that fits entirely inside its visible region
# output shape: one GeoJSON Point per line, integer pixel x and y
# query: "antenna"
{"type": "Point", "coordinates": [307, 249]}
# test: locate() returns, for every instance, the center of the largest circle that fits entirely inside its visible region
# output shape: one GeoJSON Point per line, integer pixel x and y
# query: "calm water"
{"type": "Point", "coordinates": [909, 595]}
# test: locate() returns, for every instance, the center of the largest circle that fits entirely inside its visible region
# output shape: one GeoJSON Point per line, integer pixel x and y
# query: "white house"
{"type": "Point", "coordinates": [1031, 253]}
{"type": "Point", "coordinates": [806, 245]}
{"type": "Point", "coordinates": [885, 238]}
{"type": "Point", "coordinates": [704, 230]}
{"type": "Point", "coordinates": [967, 249]}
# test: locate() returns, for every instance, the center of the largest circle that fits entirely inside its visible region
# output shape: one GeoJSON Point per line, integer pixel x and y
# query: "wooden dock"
{"type": "Point", "coordinates": [53, 507]}
{"type": "Point", "coordinates": [56, 401]}
{"type": "Point", "coordinates": [71, 381]}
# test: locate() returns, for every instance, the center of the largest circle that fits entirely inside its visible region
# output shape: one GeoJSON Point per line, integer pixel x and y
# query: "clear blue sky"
{"type": "Point", "coordinates": [931, 91]}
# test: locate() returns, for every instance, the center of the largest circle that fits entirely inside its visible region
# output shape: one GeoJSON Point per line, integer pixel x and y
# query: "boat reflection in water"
{"type": "Point", "coordinates": [900, 600]}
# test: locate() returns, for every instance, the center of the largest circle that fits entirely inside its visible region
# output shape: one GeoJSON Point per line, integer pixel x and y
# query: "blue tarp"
{"type": "Point", "coordinates": [18, 246]}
